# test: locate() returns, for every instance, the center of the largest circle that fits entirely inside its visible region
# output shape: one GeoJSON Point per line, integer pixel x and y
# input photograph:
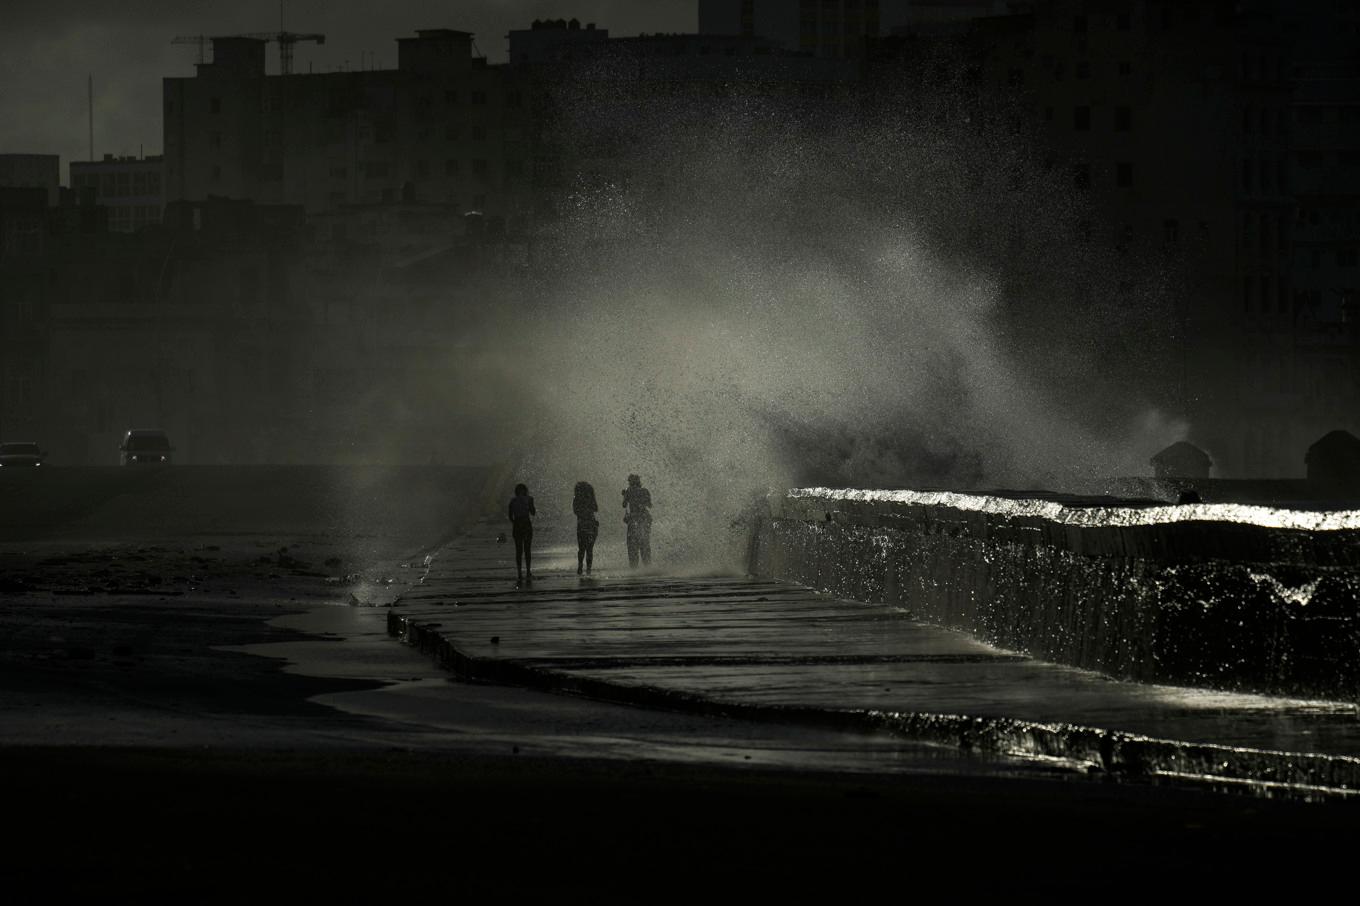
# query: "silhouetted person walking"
{"type": "Point", "coordinates": [522, 515]}
{"type": "Point", "coordinates": [637, 515]}
{"type": "Point", "coordinates": [587, 526]}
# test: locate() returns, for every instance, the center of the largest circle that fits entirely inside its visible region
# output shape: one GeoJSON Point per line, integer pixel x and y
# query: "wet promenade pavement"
{"type": "Point", "coordinates": [775, 651]}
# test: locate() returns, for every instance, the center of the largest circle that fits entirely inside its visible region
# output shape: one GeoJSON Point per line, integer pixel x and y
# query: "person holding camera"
{"type": "Point", "coordinates": [637, 506]}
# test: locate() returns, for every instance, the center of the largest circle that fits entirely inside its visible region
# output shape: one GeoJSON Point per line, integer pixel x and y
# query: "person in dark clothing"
{"type": "Point", "coordinates": [522, 515]}
{"type": "Point", "coordinates": [637, 506]}
{"type": "Point", "coordinates": [587, 526]}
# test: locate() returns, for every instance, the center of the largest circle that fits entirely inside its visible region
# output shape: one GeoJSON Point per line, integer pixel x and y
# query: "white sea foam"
{"type": "Point", "coordinates": [1262, 516]}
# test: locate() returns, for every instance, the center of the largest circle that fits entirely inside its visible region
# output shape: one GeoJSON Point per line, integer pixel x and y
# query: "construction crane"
{"type": "Point", "coordinates": [285, 40]}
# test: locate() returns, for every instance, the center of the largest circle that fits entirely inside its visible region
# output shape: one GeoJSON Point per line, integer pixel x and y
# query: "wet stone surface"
{"type": "Point", "coordinates": [761, 646]}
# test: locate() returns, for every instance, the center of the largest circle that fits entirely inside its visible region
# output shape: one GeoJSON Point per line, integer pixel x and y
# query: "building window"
{"type": "Point", "coordinates": [1081, 176]}
{"type": "Point", "coordinates": [215, 105]}
{"type": "Point", "coordinates": [514, 99]}
{"type": "Point", "coordinates": [1081, 119]}
{"type": "Point", "coordinates": [479, 167]}
{"type": "Point", "coordinates": [422, 168]}
{"type": "Point", "coordinates": [1246, 176]}
{"type": "Point", "coordinates": [214, 140]}
{"type": "Point", "coordinates": [1079, 24]}
{"type": "Point", "coordinates": [479, 133]}
{"type": "Point", "coordinates": [1124, 174]}
{"type": "Point", "coordinates": [1083, 69]}
{"type": "Point", "coordinates": [1171, 231]}
{"type": "Point", "coordinates": [216, 173]}
{"type": "Point", "coordinates": [452, 132]}
{"type": "Point", "coordinates": [514, 168]}
{"type": "Point", "coordinates": [1122, 21]}
{"type": "Point", "coordinates": [1246, 295]}
{"type": "Point", "coordinates": [1126, 67]}
{"type": "Point", "coordinates": [19, 387]}
{"type": "Point", "coordinates": [1123, 119]}
{"type": "Point", "coordinates": [1015, 78]}
{"type": "Point", "coordinates": [479, 97]}
{"type": "Point", "coordinates": [1346, 256]}
{"type": "Point", "coordinates": [248, 285]}
{"type": "Point", "coordinates": [451, 96]}
{"type": "Point", "coordinates": [450, 168]}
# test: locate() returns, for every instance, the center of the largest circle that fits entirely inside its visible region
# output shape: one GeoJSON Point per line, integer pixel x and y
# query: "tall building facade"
{"type": "Point", "coordinates": [824, 28]}
{"type": "Point", "coordinates": [1322, 135]}
{"type": "Point", "coordinates": [552, 40]}
{"type": "Point", "coordinates": [1212, 138]}
{"type": "Point", "coordinates": [442, 127]}
{"type": "Point", "coordinates": [132, 188]}
{"type": "Point", "coordinates": [31, 171]}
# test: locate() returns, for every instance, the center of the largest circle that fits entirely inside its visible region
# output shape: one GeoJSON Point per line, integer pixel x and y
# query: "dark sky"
{"type": "Point", "coordinates": [47, 47]}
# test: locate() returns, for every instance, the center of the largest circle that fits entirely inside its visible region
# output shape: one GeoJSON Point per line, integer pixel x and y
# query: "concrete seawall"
{"type": "Point", "coordinates": [1219, 596]}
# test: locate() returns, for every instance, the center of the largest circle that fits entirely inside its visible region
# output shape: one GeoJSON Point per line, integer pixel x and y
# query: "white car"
{"type": "Point", "coordinates": [23, 455]}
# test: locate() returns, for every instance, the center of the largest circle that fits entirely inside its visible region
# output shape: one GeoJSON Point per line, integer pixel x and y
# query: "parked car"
{"type": "Point", "coordinates": [23, 455]}
{"type": "Point", "coordinates": [146, 445]}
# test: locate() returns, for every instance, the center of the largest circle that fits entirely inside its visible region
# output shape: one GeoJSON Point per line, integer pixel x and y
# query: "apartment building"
{"type": "Point", "coordinates": [132, 188]}
{"type": "Point", "coordinates": [443, 127]}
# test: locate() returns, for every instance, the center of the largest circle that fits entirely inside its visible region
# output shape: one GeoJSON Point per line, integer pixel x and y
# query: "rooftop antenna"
{"type": "Point", "coordinates": [90, 88]}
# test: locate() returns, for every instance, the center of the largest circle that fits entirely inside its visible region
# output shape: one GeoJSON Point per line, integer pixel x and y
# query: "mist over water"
{"type": "Point", "coordinates": [794, 291]}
